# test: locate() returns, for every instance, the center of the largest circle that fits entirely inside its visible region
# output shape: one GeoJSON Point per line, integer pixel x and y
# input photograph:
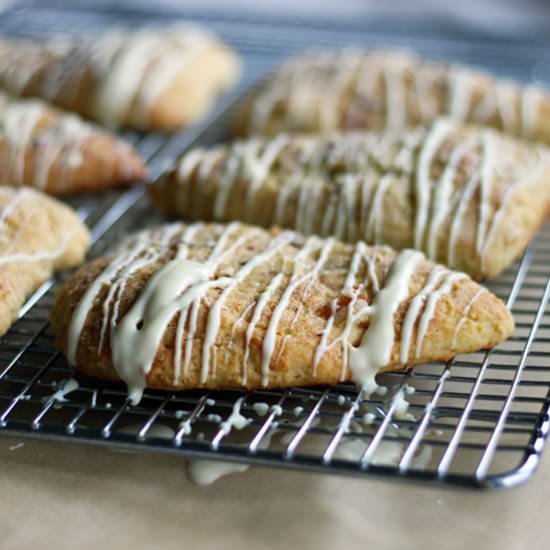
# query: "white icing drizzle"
{"type": "Point", "coordinates": [360, 254]}
{"type": "Point", "coordinates": [173, 288]}
{"type": "Point", "coordinates": [63, 135]}
{"type": "Point", "coordinates": [414, 309]}
{"type": "Point", "coordinates": [443, 196]}
{"type": "Point", "coordinates": [230, 176]}
{"type": "Point", "coordinates": [376, 346]}
{"type": "Point", "coordinates": [270, 338]}
{"type": "Point", "coordinates": [460, 95]}
{"type": "Point", "coordinates": [214, 315]}
{"type": "Point", "coordinates": [376, 215]}
{"type": "Point", "coordinates": [431, 303]}
{"type": "Point", "coordinates": [175, 53]}
{"type": "Point", "coordinates": [489, 151]}
{"type": "Point", "coordinates": [43, 255]}
{"type": "Point", "coordinates": [465, 314]}
{"type": "Point", "coordinates": [259, 167]}
{"type": "Point", "coordinates": [263, 300]}
{"type": "Point", "coordinates": [139, 67]}
{"type": "Point", "coordinates": [432, 142]}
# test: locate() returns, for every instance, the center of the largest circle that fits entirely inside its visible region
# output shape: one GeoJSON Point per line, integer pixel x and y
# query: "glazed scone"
{"type": "Point", "coordinates": [470, 198]}
{"type": "Point", "coordinates": [235, 306]}
{"type": "Point", "coordinates": [150, 79]}
{"type": "Point", "coordinates": [58, 152]}
{"type": "Point", "coordinates": [377, 89]}
{"type": "Point", "coordinates": [38, 235]}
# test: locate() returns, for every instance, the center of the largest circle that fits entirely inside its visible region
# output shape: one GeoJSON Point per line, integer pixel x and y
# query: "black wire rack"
{"type": "Point", "coordinates": [479, 420]}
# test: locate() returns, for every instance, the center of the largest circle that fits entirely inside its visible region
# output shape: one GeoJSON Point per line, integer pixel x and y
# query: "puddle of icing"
{"type": "Point", "coordinates": [204, 472]}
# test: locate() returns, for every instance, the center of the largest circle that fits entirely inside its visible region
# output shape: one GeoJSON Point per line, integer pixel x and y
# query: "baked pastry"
{"type": "Point", "coordinates": [59, 152]}
{"type": "Point", "coordinates": [38, 235]}
{"type": "Point", "coordinates": [221, 306]}
{"type": "Point", "coordinates": [470, 198]}
{"type": "Point", "coordinates": [153, 78]}
{"type": "Point", "coordinates": [358, 89]}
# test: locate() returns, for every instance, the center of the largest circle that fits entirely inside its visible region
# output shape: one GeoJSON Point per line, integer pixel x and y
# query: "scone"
{"type": "Point", "coordinates": [58, 152]}
{"type": "Point", "coordinates": [470, 198]}
{"type": "Point", "coordinates": [38, 235]}
{"type": "Point", "coordinates": [235, 306]}
{"type": "Point", "coordinates": [150, 79]}
{"type": "Point", "coordinates": [373, 89]}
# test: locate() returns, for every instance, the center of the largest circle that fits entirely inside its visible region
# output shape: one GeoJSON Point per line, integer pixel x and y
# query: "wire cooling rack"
{"type": "Point", "coordinates": [479, 420]}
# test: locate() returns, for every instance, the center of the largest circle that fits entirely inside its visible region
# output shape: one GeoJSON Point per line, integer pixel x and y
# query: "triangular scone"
{"type": "Point", "coordinates": [219, 306]}
{"type": "Point", "coordinates": [377, 89]}
{"type": "Point", "coordinates": [38, 235]}
{"type": "Point", "coordinates": [58, 152]}
{"type": "Point", "coordinates": [470, 198]}
{"type": "Point", "coordinates": [152, 78]}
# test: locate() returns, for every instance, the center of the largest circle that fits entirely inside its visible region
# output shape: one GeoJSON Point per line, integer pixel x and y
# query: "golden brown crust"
{"type": "Point", "coordinates": [376, 89]}
{"type": "Point", "coordinates": [475, 197]}
{"type": "Point", "coordinates": [149, 79]}
{"type": "Point", "coordinates": [465, 317]}
{"type": "Point", "coordinates": [38, 236]}
{"type": "Point", "coordinates": [60, 153]}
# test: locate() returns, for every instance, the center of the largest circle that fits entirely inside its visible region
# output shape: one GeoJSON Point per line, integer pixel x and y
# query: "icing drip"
{"type": "Point", "coordinates": [235, 419]}
{"type": "Point", "coordinates": [65, 387]}
{"type": "Point", "coordinates": [136, 338]}
{"type": "Point", "coordinates": [376, 346]}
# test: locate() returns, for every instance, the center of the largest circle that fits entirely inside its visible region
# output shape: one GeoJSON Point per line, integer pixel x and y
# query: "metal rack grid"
{"type": "Point", "coordinates": [479, 420]}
